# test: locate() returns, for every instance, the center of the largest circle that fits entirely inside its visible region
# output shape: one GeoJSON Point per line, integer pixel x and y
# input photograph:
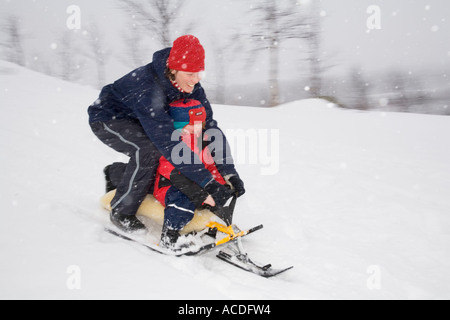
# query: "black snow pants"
{"type": "Point", "coordinates": [135, 179]}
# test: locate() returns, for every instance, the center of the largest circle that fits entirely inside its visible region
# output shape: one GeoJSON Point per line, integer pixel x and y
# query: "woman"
{"type": "Point", "coordinates": [131, 117]}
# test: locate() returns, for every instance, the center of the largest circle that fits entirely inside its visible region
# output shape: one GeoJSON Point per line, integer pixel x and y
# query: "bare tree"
{"type": "Point", "coordinates": [400, 95]}
{"type": "Point", "coordinates": [313, 36]}
{"type": "Point", "coordinates": [69, 56]}
{"type": "Point", "coordinates": [155, 16]}
{"type": "Point", "coordinates": [277, 21]}
{"type": "Point", "coordinates": [226, 50]}
{"type": "Point", "coordinates": [219, 50]}
{"type": "Point", "coordinates": [14, 43]}
{"type": "Point", "coordinates": [98, 53]}
{"type": "Point", "coordinates": [136, 51]}
{"type": "Point", "coordinates": [408, 93]}
{"type": "Point", "coordinates": [359, 90]}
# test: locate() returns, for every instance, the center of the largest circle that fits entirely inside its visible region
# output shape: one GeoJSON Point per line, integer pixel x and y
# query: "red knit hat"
{"type": "Point", "coordinates": [187, 55]}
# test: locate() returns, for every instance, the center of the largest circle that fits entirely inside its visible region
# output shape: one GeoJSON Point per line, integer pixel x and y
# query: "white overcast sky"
{"type": "Point", "coordinates": [414, 34]}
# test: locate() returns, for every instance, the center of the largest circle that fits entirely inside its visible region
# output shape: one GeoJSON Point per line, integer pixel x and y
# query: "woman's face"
{"type": "Point", "coordinates": [187, 80]}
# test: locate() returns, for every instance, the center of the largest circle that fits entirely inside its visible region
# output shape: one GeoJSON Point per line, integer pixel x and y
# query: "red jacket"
{"type": "Point", "coordinates": [166, 169]}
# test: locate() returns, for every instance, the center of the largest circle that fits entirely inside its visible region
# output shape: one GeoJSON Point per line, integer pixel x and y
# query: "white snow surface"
{"type": "Point", "coordinates": [360, 205]}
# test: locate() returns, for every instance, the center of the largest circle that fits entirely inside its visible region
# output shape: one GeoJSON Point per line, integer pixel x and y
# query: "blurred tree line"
{"type": "Point", "coordinates": [273, 24]}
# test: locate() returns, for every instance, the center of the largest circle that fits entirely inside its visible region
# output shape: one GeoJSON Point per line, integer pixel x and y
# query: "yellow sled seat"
{"type": "Point", "coordinates": [154, 210]}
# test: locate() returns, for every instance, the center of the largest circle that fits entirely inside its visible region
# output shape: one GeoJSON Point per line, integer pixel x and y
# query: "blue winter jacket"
{"type": "Point", "coordinates": [144, 95]}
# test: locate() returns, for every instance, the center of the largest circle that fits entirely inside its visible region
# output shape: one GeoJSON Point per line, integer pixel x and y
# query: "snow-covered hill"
{"type": "Point", "coordinates": [357, 202]}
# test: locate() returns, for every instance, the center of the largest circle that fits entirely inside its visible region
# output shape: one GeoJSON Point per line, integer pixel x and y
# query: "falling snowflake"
{"type": "Point", "coordinates": [435, 28]}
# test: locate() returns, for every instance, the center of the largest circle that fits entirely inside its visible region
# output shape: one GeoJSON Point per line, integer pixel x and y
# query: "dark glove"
{"type": "Point", "coordinates": [238, 185]}
{"type": "Point", "coordinates": [221, 194]}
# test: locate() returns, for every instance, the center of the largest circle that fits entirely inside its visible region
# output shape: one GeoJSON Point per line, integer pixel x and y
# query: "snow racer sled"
{"type": "Point", "coordinates": [212, 231]}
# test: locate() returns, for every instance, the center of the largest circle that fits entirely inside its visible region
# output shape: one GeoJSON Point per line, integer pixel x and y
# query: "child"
{"type": "Point", "coordinates": [179, 195]}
